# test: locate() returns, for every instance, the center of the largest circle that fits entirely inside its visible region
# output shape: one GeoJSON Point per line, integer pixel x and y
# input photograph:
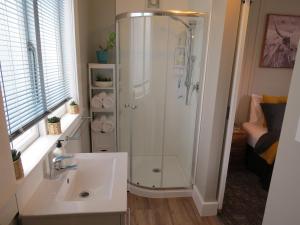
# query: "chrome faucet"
{"type": "Point", "coordinates": [57, 167]}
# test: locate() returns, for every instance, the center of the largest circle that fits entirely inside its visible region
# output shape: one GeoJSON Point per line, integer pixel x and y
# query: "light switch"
{"type": "Point", "coordinates": [298, 132]}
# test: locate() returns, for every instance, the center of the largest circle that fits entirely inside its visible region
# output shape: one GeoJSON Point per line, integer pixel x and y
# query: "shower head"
{"type": "Point", "coordinates": [189, 26]}
{"type": "Point", "coordinates": [181, 21]}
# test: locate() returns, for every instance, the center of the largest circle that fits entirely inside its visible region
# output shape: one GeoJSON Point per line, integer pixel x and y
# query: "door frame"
{"type": "Point", "coordinates": [233, 99]}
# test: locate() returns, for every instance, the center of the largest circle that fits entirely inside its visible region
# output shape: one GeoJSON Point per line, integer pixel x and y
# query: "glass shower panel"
{"type": "Point", "coordinates": [181, 102]}
{"type": "Point", "coordinates": [124, 98]}
{"type": "Point", "coordinates": [159, 81]}
{"type": "Point", "coordinates": [148, 73]}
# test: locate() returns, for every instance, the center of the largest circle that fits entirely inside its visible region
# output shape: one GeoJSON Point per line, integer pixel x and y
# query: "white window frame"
{"type": "Point", "coordinates": [22, 142]}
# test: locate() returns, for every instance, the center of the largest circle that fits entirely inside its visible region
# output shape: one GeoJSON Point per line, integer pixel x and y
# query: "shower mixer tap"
{"type": "Point", "coordinates": [130, 106]}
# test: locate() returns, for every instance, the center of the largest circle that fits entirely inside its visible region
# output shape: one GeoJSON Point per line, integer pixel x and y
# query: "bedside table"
{"type": "Point", "coordinates": [238, 149]}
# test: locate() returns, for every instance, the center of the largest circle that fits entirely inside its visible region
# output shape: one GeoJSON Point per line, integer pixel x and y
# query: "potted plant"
{"type": "Point", "coordinates": [73, 108]}
{"type": "Point", "coordinates": [103, 82]}
{"type": "Point", "coordinates": [16, 156]}
{"type": "Point", "coordinates": [102, 53]}
{"type": "Point", "coordinates": [54, 127]}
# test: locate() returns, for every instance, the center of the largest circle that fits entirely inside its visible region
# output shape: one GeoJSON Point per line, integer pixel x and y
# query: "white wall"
{"type": "Point", "coordinates": [284, 194]}
{"type": "Point", "coordinates": [137, 5]}
{"type": "Point", "coordinates": [262, 80]}
{"type": "Point", "coordinates": [7, 174]}
{"type": "Point", "coordinates": [221, 46]}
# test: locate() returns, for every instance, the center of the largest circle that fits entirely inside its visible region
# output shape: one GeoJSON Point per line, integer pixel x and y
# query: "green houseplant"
{"type": "Point", "coordinates": [73, 108]}
{"type": "Point", "coordinates": [54, 126]}
{"type": "Point", "coordinates": [102, 53]}
{"type": "Point", "coordinates": [16, 156]}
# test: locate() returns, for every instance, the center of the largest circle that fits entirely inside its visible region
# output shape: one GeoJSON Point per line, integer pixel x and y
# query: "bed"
{"type": "Point", "coordinates": [263, 131]}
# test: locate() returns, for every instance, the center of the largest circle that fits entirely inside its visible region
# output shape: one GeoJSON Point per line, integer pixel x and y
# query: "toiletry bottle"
{"type": "Point", "coordinates": [59, 151]}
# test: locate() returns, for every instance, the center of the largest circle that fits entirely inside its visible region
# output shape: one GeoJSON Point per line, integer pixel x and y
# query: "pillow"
{"type": "Point", "coordinates": [274, 114]}
{"type": "Point", "coordinates": [274, 99]}
{"type": "Point", "coordinates": [270, 154]}
{"type": "Point", "coordinates": [256, 114]}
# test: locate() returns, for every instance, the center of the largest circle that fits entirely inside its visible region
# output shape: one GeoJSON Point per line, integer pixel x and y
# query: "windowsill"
{"type": "Point", "coordinates": [33, 155]}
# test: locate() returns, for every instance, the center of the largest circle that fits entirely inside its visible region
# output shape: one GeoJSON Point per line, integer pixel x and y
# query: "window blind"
{"type": "Point", "coordinates": [51, 20]}
{"type": "Point", "coordinates": [21, 86]}
{"type": "Point", "coordinates": [33, 66]}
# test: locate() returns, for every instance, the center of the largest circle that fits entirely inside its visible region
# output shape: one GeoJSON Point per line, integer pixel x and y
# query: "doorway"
{"type": "Point", "coordinates": [248, 156]}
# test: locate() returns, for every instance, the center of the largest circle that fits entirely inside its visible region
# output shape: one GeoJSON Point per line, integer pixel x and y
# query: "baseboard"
{"type": "Point", "coordinates": [204, 208]}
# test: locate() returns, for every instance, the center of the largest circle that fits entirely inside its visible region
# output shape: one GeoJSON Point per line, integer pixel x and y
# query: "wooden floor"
{"type": "Point", "coordinates": [167, 211]}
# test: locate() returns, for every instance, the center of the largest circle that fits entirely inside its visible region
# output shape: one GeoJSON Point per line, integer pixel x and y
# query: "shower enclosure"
{"type": "Point", "coordinates": [160, 70]}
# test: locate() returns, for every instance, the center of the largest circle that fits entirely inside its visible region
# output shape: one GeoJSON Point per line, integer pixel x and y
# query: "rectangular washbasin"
{"type": "Point", "coordinates": [98, 185]}
{"type": "Point", "coordinates": [93, 180]}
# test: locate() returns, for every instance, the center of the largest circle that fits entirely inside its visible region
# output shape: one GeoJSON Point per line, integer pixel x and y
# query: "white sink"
{"type": "Point", "coordinates": [93, 180]}
{"type": "Point", "coordinates": [98, 185]}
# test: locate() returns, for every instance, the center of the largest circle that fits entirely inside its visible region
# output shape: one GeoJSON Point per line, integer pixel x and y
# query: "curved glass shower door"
{"type": "Point", "coordinates": [156, 110]}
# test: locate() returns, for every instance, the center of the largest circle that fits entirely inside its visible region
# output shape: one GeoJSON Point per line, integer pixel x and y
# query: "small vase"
{"type": "Point", "coordinates": [19, 172]}
{"type": "Point", "coordinates": [74, 109]}
{"type": "Point", "coordinates": [102, 56]}
{"type": "Point", "coordinates": [54, 128]}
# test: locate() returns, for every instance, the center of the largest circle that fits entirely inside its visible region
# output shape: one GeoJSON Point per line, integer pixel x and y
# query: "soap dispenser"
{"type": "Point", "coordinates": [59, 150]}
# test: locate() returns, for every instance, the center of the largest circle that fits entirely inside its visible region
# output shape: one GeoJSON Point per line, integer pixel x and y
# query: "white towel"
{"type": "Point", "coordinates": [107, 126]}
{"type": "Point", "coordinates": [102, 125]}
{"type": "Point", "coordinates": [108, 101]}
{"type": "Point", "coordinates": [97, 100]}
{"type": "Point", "coordinates": [97, 125]}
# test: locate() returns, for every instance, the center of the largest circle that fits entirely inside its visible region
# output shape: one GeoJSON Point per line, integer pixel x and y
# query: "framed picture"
{"type": "Point", "coordinates": [281, 40]}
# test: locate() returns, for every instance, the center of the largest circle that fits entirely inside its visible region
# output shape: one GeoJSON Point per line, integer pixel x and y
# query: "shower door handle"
{"type": "Point", "coordinates": [133, 107]}
{"type": "Point", "coordinates": [196, 86]}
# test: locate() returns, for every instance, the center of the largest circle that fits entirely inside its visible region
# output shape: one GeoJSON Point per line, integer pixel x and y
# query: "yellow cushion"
{"type": "Point", "coordinates": [274, 99]}
{"type": "Point", "coordinates": [270, 154]}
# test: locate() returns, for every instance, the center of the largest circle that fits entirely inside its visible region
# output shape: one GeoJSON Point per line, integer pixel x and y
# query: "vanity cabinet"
{"type": "Point", "coordinates": [76, 219]}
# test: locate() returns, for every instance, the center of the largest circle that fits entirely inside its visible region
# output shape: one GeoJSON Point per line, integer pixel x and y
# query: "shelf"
{"type": "Point", "coordinates": [100, 88]}
{"type": "Point", "coordinates": [102, 110]}
{"type": "Point", "coordinates": [101, 66]}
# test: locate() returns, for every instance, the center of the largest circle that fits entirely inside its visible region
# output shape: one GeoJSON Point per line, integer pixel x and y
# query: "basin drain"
{"type": "Point", "coordinates": [84, 194]}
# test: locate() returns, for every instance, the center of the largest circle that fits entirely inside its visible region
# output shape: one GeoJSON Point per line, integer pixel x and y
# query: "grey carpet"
{"type": "Point", "coordinates": [244, 200]}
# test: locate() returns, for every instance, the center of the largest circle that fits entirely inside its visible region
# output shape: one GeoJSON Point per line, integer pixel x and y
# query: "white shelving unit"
{"type": "Point", "coordinates": [101, 141]}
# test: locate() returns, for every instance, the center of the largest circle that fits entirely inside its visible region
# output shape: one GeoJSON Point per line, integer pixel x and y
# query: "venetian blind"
{"type": "Point", "coordinates": [34, 68]}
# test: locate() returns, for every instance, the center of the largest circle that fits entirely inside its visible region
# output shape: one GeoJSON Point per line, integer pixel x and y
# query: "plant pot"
{"type": "Point", "coordinates": [54, 128]}
{"type": "Point", "coordinates": [103, 84]}
{"type": "Point", "coordinates": [102, 56]}
{"type": "Point", "coordinates": [19, 172]}
{"type": "Point", "coordinates": [74, 109]}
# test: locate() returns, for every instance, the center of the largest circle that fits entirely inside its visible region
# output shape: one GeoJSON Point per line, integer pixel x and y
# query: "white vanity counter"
{"type": "Point", "coordinates": [100, 177]}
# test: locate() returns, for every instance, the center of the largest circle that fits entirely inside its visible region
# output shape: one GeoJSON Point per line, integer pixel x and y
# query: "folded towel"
{"type": "Point", "coordinates": [97, 125]}
{"type": "Point", "coordinates": [97, 100]}
{"type": "Point", "coordinates": [107, 126]}
{"type": "Point", "coordinates": [103, 125]}
{"type": "Point", "coordinates": [108, 101]}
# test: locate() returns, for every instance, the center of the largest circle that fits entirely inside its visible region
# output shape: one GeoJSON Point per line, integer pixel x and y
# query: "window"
{"type": "Point", "coordinates": [36, 62]}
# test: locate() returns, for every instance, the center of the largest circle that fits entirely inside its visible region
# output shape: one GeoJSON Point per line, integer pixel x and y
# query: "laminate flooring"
{"type": "Point", "coordinates": [166, 211]}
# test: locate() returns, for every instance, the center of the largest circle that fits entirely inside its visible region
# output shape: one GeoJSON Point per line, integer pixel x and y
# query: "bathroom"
{"type": "Point", "coordinates": [113, 112]}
